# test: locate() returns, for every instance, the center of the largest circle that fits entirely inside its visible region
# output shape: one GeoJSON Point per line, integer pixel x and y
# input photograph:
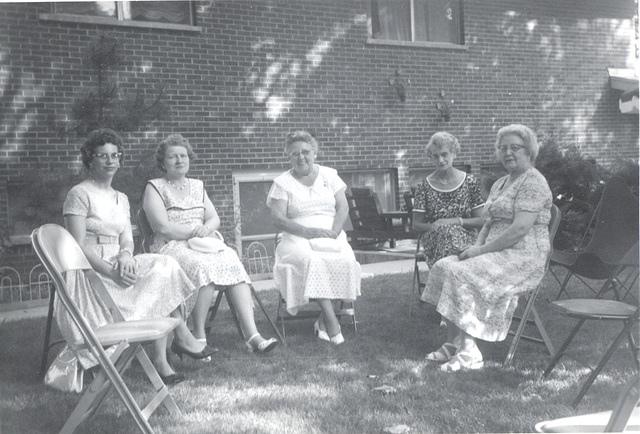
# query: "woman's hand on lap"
{"type": "Point", "coordinates": [470, 252]}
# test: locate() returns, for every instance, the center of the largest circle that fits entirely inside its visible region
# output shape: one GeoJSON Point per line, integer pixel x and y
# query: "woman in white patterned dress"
{"type": "Point", "coordinates": [143, 287]}
{"type": "Point", "coordinates": [180, 211]}
{"type": "Point", "coordinates": [313, 260]}
{"type": "Point", "coordinates": [477, 291]}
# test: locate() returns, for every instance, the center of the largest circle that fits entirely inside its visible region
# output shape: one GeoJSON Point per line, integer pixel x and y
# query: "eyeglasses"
{"type": "Point", "coordinates": [512, 148]}
{"type": "Point", "coordinates": [104, 157]}
{"type": "Point", "coordinates": [297, 154]}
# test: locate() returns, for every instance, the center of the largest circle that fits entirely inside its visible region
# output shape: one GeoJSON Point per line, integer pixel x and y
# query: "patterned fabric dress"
{"type": "Point", "coordinates": [440, 204]}
{"type": "Point", "coordinates": [222, 268]}
{"type": "Point", "coordinates": [161, 286]}
{"type": "Point", "coordinates": [480, 294]}
{"type": "Point", "coordinates": [301, 273]}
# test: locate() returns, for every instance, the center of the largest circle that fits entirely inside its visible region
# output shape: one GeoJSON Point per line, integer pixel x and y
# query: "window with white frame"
{"type": "Point", "coordinates": [178, 13]}
{"type": "Point", "coordinates": [416, 21]}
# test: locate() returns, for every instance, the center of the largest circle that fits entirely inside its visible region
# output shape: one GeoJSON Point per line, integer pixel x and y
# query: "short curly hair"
{"type": "Point", "coordinates": [169, 141]}
{"type": "Point", "coordinates": [443, 140]}
{"type": "Point", "coordinates": [97, 138]}
{"type": "Point", "coordinates": [525, 133]}
{"type": "Point", "coordinates": [300, 136]}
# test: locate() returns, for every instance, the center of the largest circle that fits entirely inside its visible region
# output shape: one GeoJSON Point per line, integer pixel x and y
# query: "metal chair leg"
{"type": "Point", "coordinates": [562, 349]}
{"type": "Point", "coordinates": [264, 311]}
{"type": "Point", "coordinates": [47, 336]}
{"type": "Point", "coordinates": [603, 360]}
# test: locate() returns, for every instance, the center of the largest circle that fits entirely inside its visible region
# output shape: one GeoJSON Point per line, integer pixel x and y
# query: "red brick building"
{"type": "Point", "coordinates": [238, 75]}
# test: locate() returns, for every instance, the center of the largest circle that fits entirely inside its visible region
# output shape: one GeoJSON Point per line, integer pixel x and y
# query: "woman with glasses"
{"type": "Point", "coordinates": [477, 291]}
{"type": "Point", "coordinates": [185, 224]}
{"type": "Point", "coordinates": [314, 261]}
{"type": "Point", "coordinates": [143, 286]}
{"type": "Point", "coordinates": [447, 204]}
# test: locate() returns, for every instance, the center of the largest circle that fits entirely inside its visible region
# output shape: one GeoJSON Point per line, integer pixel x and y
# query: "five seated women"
{"type": "Point", "coordinates": [476, 291]}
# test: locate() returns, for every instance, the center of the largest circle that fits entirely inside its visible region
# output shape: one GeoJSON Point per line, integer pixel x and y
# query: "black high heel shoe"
{"type": "Point", "coordinates": [179, 351]}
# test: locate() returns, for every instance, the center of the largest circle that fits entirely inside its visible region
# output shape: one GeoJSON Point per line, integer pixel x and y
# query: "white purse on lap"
{"type": "Point", "coordinates": [207, 244]}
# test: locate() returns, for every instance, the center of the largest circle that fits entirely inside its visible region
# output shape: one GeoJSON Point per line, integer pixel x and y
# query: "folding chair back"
{"type": "Point", "coordinates": [60, 253]}
{"type": "Point", "coordinates": [145, 231]}
{"type": "Point", "coordinates": [614, 232]}
{"type": "Point", "coordinates": [530, 314]}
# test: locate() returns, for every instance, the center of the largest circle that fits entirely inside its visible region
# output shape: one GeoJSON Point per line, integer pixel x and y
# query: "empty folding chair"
{"type": "Point", "coordinates": [603, 310]}
{"type": "Point", "coordinates": [60, 254]}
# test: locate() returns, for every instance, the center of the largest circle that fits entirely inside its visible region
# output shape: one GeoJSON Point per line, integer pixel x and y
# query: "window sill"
{"type": "Point", "coordinates": [106, 21]}
{"type": "Point", "coordinates": [408, 44]}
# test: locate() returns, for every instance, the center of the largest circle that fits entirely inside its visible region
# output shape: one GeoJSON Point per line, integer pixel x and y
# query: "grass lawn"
{"type": "Point", "coordinates": [313, 387]}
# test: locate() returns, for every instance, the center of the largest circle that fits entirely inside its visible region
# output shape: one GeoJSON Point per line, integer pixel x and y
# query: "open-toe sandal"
{"type": "Point", "coordinates": [442, 354]}
{"type": "Point", "coordinates": [463, 361]}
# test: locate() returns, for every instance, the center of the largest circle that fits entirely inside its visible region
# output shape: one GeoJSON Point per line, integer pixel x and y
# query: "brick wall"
{"type": "Point", "coordinates": [261, 68]}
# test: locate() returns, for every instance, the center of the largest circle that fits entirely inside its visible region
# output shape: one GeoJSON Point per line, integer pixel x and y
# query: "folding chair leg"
{"type": "Point", "coordinates": [264, 311]}
{"type": "Point", "coordinates": [100, 386]}
{"type": "Point", "coordinates": [162, 393]}
{"type": "Point", "coordinates": [47, 337]}
{"type": "Point", "coordinates": [605, 358]}
{"type": "Point", "coordinates": [563, 287]}
{"type": "Point", "coordinates": [543, 332]}
{"type": "Point", "coordinates": [562, 349]}
{"type": "Point", "coordinates": [279, 317]}
{"type": "Point", "coordinates": [213, 310]}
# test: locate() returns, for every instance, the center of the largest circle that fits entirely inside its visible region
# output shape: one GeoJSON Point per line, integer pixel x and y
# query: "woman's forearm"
{"type": "Point", "coordinates": [472, 222]}
{"type": "Point", "coordinates": [287, 225]}
{"type": "Point", "coordinates": [340, 219]}
{"type": "Point", "coordinates": [508, 238]}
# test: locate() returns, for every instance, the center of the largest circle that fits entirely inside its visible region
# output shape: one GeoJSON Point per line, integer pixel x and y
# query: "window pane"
{"type": "Point", "coordinates": [391, 19]}
{"type": "Point", "coordinates": [254, 212]}
{"type": "Point", "coordinates": [178, 12]}
{"type": "Point", "coordinates": [437, 21]}
{"type": "Point", "coordinates": [96, 9]}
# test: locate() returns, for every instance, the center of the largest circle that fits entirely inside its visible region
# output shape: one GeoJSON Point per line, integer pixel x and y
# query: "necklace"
{"type": "Point", "coordinates": [184, 184]}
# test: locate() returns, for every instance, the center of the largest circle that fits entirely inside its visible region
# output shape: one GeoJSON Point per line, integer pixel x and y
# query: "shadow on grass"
{"type": "Point", "coordinates": [312, 386]}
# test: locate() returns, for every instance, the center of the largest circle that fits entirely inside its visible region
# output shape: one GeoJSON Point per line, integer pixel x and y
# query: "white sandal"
{"type": "Point", "coordinates": [463, 360]}
{"type": "Point", "coordinates": [444, 353]}
{"type": "Point", "coordinates": [263, 347]}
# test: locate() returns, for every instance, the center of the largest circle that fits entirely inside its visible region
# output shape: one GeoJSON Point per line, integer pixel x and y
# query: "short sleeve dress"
{"type": "Point", "coordinates": [161, 286]}
{"type": "Point", "coordinates": [480, 294]}
{"type": "Point", "coordinates": [222, 268]}
{"type": "Point", "coordinates": [300, 272]}
{"type": "Point", "coordinates": [440, 204]}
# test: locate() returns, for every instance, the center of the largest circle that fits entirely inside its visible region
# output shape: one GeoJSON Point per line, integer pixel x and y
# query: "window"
{"type": "Point", "coordinates": [416, 21]}
{"type": "Point", "coordinates": [179, 13]}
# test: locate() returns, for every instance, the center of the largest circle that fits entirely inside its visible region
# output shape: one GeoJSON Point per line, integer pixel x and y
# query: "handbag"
{"type": "Point", "coordinates": [207, 244]}
{"type": "Point", "coordinates": [65, 373]}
